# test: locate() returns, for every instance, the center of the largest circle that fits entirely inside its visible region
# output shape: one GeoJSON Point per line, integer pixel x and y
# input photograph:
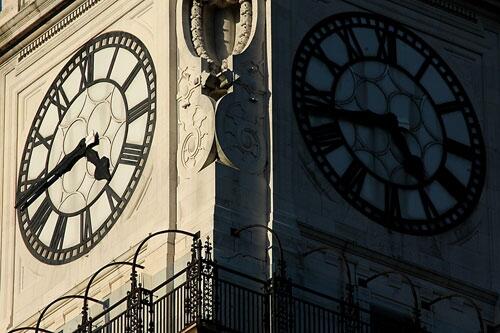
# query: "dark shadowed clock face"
{"type": "Point", "coordinates": [388, 123]}
{"type": "Point", "coordinates": [108, 87]}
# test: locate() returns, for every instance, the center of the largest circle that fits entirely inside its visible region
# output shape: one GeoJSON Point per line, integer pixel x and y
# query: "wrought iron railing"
{"type": "Point", "coordinates": [225, 300]}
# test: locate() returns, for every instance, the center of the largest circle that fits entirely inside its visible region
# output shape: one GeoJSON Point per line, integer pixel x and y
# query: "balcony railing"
{"type": "Point", "coordinates": [224, 300]}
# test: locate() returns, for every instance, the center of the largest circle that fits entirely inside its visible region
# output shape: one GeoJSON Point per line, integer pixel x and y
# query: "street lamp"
{"type": "Point", "coordinates": [416, 304]}
{"type": "Point", "coordinates": [133, 276]}
{"type": "Point", "coordinates": [37, 328]}
{"type": "Point", "coordinates": [85, 308]}
{"type": "Point", "coordinates": [281, 264]}
{"type": "Point", "coordinates": [427, 306]}
{"type": "Point", "coordinates": [350, 286]}
{"type": "Point", "coordinates": [29, 329]}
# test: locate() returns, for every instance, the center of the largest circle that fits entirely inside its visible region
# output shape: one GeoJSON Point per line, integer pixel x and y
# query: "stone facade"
{"type": "Point", "coordinates": [227, 153]}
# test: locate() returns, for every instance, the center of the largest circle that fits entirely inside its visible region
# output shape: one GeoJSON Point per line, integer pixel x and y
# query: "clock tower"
{"type": "Point", "coordinates": [337, 158]}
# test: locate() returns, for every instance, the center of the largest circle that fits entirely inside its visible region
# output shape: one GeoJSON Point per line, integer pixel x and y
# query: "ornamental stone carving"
{"type": "Point", "coordinates": [220, 28]}
{"type": "Point", "coordinates": [222, 84]}
{"type": "Point", "coordinates": [241, 143]}
{"type": "Point", "coordinates": [196, 125]}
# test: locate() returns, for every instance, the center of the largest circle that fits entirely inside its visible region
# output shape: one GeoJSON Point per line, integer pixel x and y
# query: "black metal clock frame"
{"type": "Point", "coordinates": [135, 155]}
{"type": "Point", "coordinates": [321, 141]}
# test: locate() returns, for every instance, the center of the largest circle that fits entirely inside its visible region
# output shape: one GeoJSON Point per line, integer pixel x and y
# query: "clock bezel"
{"type": "Point", "coordinates": [431, 226]}
{"type": "Point", "coordinates": [111, 39]}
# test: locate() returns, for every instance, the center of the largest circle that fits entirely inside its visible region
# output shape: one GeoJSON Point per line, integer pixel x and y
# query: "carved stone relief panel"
{"type": "Point", "coordinates": [222, 94]}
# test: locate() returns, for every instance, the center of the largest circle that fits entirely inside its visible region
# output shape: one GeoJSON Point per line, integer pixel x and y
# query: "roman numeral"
{"type": "Point", "coordinates": [449, 107]}
{"type": "Point", "coordinates": [354, 50]}
{"type": "Point", "coordinates": [56, 243]}
{"type": "Point", "coordinates": [113, 198]}
{"type": "Point", "coordinates": [138, 110]}
{"type": "Point", "coordinates": [423, 69]}
{"type": "Point", "coordinates": [429, 208]}
{"type": "Point", "coordinates": [87, 71]}
{"type": "Point", "coordinates": [131, 154]}
{"type": "Point", "coordinates": [41, 216]}
{"type": "Point", "coordinates": [27, 183]}
{"type": "Point", "coordinates": [333, 67]}
{"type": "Point", "coordinates": [131, 76]}
{"type": "Point", "coordinates": [328, 137]}
{"type": "Point", "coordinates": [354, 177]}
{"type": "Point", "coordinates": [112, 64]}
{"type": "Point", "coordinates": [392, 204]}
{"type": "Point", "coordinates": [316, 98]}
{"type": "Point", "coordinates": [85, 226]}
{"type": "Point", "coordinates": [387, 49]}
{"type": "Point", "coordinates": [459, 149]}
{"type": "Point", "coordinates": [55, 98]}
{"type": "Point", "coordinates": [451, 183]}
{"type": "Point", "coordinates": [40, 140]}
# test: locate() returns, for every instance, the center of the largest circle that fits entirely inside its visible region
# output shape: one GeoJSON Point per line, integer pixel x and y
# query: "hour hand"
{"type": "Point", "coordinates": [101, 164]}
{"type": "Point", "coordinates": [65, 165]}
{"type": "Point", "coordinates": [411, 163]}
{"type": "Point", "coordinates": [386, 121]}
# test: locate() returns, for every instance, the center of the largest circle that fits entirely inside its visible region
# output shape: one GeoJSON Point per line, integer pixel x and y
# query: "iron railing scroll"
{"type": "Point", "coordinates": [216, 298]}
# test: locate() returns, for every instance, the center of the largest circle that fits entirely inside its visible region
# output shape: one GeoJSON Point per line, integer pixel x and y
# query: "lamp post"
{"type": "Point", "coordinates": [281, 264]}
{"type": "Point", "coordinates": [29, 329]}
{"type": "Point", "coordinates": [85, 308]}
{"type": "Point", "coordinates": [350, 286]}
{"type": "Point", "coordinates": [37, 328]}
{"type": "Point", "coordinates": [416, 304]}
{"type": "Point", "coordinates": [427, 306]}
{"type": "Point", "coordinates": [350, 311]}
{"type": "Point", "coordinates": [133, 276]}
{"type": "Point", "coordinates": [279, 287]}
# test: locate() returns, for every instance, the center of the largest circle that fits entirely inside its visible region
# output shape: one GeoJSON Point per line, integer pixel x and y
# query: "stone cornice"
{"type": "Point", "coordinates": [454, 8]}
{"type": "Point", "coordinates": [469, 10]}
{"type": "Point", "coordinates": [54, 29]}
{"type": "Point", "coordinates": [23, 25]}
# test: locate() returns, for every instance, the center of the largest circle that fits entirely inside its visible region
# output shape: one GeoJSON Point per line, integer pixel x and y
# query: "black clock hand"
{"type": "Point", "coordinates": [386, 121]}
{"type": "Point", "coordinates": [61, 168]}
{"type": "Point", "coordinates": [411, 163]}
{"type": "Point", "coordinates": [101, 164]}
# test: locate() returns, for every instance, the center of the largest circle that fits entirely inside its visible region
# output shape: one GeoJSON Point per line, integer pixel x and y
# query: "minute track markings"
{"type": "Point", "coordinates": [321, 61]}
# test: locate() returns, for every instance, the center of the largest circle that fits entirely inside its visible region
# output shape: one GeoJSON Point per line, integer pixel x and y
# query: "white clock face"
{"type": "Point", "coordinates": [108, 88]}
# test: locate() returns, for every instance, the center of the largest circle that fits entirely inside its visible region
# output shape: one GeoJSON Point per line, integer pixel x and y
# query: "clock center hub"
{"type": "Point", "coordinates": [100, 108]}
{"type": "Point", "coordinates": [410, 130]}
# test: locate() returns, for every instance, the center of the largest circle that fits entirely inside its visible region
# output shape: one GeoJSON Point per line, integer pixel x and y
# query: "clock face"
{"type": "Point", "coordinates": [388, 123]}
{"type": "Point", "coordinates": [108, 88]}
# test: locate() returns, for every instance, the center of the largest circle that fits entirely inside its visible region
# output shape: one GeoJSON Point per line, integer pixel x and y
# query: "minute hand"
{"type": "Point", "coordinates": [411, 163]}
{"type": "Point", "coordinates": [367, 118]}
{"type": "Point", "coordinates": [386, 121]}
{"type": "Point", "coordinates": [61, 168]}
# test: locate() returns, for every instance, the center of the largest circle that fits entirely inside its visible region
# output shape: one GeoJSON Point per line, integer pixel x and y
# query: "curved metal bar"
{"type": "Point", "coordinates": [61, 299]}
{"type": "Point", "coordinates": [133, 276]}
{"type": "Point", "coordinates": [340, 254]}
{"type": "Point", "coordinates": [236, 232]}
{"type": "Point", "coordinates": [416, 303]}
{"type": "Point", "coordinates": [350, 287]}
{"type": "Point", "coordinates": [29, 329]}
{"type": "Point", "coordinates": [474, 305]}
{"type": "Point", "coordinates": [89, 284]}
